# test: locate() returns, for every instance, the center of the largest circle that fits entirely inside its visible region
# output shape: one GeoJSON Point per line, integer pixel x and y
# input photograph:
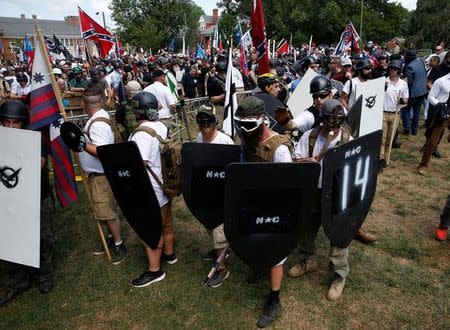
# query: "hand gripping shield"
{"type": "Point", "coordinates": [203, 179]}
{"type": "Point", "coordinates": [133, 190]}
{"type": "Point", "coordinates": [265, 206]}
{"type": "Point", "coordinates": [349, 182]}
{"type": "Point", "coordinates": [73, 136]}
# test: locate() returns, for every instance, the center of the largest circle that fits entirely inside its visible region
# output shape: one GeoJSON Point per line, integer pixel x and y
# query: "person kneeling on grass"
{"type": "Point", "coordinates": [145, 107]}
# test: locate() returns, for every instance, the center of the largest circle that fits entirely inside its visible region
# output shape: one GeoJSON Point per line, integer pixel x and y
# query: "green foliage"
{"type": "Point", "coordinates": [325, 20]}
{"type": "Point", "coordinates": [429, 23]}
{"type": "Point", "coordinates": [153, 23]}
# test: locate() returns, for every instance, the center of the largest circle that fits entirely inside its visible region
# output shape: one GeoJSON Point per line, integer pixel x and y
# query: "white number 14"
{"type": "Point", "coordinates": [360, 180]}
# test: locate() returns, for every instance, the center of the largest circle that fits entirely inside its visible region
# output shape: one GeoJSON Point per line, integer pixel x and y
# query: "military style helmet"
{"type": "Point", "coordinates": [266, 79]}
{"type": "Point", "coordinates": [77, 70]}
{"type": "Point", "coordinates": [395, 64]}
{"type": "Point", "coordinates": [221, 66]}
{"type": "Point", "coordinates": [145, 104]}
{"type": "Point", "coordinates": [306, 62]}
{"type": "Point", "coordinates": [206, 115]}
{"type": "Point", "coordinates": [363, 63]}
{"type": "Point", "coordinates": [116, 64]}
{"type": "Point", "coordinates": [320, 85]}
{"type": "Point", "coordinates": [22, 77]}
{"type": "Point", "coordinates": [332, 114]}
{"type": "Point", "coordinates": [162, 61]}
{"type": "Point", "coordinates": [15, 110]}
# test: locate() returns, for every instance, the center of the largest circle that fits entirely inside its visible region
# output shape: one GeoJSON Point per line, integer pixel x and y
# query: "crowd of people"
{"type": "Point", "coordinates": [151, 87]}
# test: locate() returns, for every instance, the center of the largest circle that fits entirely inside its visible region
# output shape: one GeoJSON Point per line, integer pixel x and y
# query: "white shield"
{"type": "Point", "coordinates": [372, 105]}
{"type": "Point", "coordinates": [300, 99]}
{"type": "Point", "coordinates": [20, 190]}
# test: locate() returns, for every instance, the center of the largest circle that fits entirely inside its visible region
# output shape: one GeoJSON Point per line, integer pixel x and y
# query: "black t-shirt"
{"type": "Point", "coordinates": [45, 182]}
{"type": "Point", "coordinates": [380, 72]}
{"type": "Point", "coordinates": [216, 86]}
{"type": "Point", "coordinates": [189, 84]}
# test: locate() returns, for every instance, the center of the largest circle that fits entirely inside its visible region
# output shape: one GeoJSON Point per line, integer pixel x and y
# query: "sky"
{"type": "Point", "coordinates": [57, 10]}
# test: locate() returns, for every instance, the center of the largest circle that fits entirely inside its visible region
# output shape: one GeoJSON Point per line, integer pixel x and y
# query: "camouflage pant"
{"type": "Point", "coordinates": [20, 276]}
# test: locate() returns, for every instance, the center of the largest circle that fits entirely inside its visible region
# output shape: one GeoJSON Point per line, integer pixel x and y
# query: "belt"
{"type": "Point", "coordinates": [91, 175]}
{"type": "Point", "coordinates": [389, 111]}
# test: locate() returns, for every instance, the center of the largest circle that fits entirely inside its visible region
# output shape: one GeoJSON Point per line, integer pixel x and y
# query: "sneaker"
{"type": "Point", "coordinates": [365, 237]}
{"type": "Point", "coordinates": [169, 258]}
{"type": "Point", "coordinates": [99, 250]}
{"type": "Point", "coordinates": [441, 233]}
{"type": "Point", "coordinates": [336, 288]}
{"type": "Point", "coordinates": [303, 267]}
{"type": "Point", "coordinates": [422, 170]}
{"type": "Point", "coordinates": [218, 278]}
{"type": "Point", "coordinates": [382, 165]}
{"type": "Point", "coordinates": [11, 293]}
{"type": "Point", "coordinates": [436, 154]}
{"type": "Point", "coordinates": [119, 252]}
{"type": "Point", "coordinates": [148, 278]}
{"type": "Point", "coordinates": [269, 315]}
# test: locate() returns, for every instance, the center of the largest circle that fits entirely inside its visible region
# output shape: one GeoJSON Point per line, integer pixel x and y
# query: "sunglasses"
{"type": "Point", "coordinates": [248, 124]}
{"type": "Point", "coordinates": [334, 122]}
{"type": "Point", "coordinates": [321, 96]}
{"type": "Point", "coordinates": [205, 122]}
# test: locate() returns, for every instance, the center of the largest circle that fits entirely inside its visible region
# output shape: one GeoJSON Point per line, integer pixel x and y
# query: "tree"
{"type": "Point", "coordinates": [153, 23]}
{"type": "Point", "coordinates": [429, 23]}
{"type": "Point", "coordinates": [325, 20]}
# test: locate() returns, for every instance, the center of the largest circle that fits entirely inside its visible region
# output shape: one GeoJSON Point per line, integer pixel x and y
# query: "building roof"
{"type": "Point", "coordinates": [209, 31]}
{"type": "Point", "coordinates": [207, 18]}
{"type": "Point", "coordinates": [12, 27]}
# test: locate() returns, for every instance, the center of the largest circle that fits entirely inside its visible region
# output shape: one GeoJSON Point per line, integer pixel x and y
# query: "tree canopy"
{"type": "Point", "coordinates": [325, 20]}
{"type": "Point", "coordinates": [153, 23]}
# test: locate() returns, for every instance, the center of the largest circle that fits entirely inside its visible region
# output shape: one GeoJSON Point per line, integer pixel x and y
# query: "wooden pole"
{"type": "Point", "coordinates": [64, 115]}
{"type": "Point", "coordinates": [361, 21]}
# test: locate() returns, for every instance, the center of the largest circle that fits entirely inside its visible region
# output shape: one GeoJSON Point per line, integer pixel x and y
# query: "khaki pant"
{"type": "Point", "coordinates": [390, 124]}
{"type": "Point", "coordinates": [104, 203]}
{"type": "Point", "coordinates": [218, 238]}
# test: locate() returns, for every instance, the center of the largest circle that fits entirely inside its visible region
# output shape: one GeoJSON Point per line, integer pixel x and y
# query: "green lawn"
{"type": "Point", "coordinates": [402, 281]}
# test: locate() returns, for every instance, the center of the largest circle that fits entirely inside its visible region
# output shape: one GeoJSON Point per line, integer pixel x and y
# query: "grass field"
{"type": "Point", "coordinates": [402, 281]}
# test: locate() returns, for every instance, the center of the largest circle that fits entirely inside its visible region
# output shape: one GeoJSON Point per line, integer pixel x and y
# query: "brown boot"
{"type": "Point", "coordinates": [365, 237]}
{"type": "Point", "coordinates": [303, 267]}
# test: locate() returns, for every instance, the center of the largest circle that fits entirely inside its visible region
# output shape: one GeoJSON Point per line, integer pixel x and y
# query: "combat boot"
{"type": "Point", "coordinates": [303, 267]}
{"type": "Point", "coordinates": [336, 288]}
{"type": "Point", "coordinates": [365, 237]}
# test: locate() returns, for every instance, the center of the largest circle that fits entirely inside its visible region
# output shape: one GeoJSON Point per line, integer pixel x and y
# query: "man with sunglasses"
{"type": "Point", "coordinates": [208, 133]}
{"type": "Point", "coordinates": [320, 88]}
{"type": "Point", "coordinates": [396, 94]}
{"type": "Point", "coordinates": [262, 144]}
{"type": "Point", "coordinates": [312, 146]}
{"type": "Point", "coordinates": [363, 69]}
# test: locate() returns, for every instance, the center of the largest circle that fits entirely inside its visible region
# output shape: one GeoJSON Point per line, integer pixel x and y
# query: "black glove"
{"type": "Point", "coordinates": [73, 136]}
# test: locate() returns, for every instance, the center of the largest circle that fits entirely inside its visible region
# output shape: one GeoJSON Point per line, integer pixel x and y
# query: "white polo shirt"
{"type": "Point", "coordinates": [352, 99]}
{"type": "Point", "coordinates": [100, 133]}
{"type": "Point", "coordinates": [151, 154]}
{"type": "Point", "coordinates": [221, 138]}
{"type": "Point", "coordinates": [164, 96]}
{"type": "Point", "coordinates": [440, 90]}
{"type": "Point", "coordinates": [393, 92]}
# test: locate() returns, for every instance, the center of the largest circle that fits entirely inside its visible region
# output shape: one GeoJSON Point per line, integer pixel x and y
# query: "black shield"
{"type": "Point", "coordinates": [271, 104]}
{"type": "Point", "coordinates": [203, 179]}
{"type": "Point", "coordinates": [349, 182]}
{"type": "Point", "coordinates": [265, 206]}
{"type": "Point", "coordinates": [73, 136]}
{"type": "Point", "coordinates": [133, 190]}
{"type": "Point", "coordinates": [354, 117]}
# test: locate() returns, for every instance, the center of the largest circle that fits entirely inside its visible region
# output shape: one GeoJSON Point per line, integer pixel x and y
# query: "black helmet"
{"type": "Point", "coordinates": [363, 63]}
{"type": "Point", "coordinates": [116, 64]}
{"type": "Point", "coordinates": [162, 61]}
{"type": "Point", "coordinates": [94, 73]}
{"type": "Point", "coordinates": [15, 110]}
{"type": "Point", "coordinates": [395, 64]}
{"type": "Point", "coordinates": [151, 65]}
{"type": "Point", "coordinates": [266, 80]}
{"type": "Point", "coordinates": [320, 85]}
{"type": "Point", "coordinates": [141, 63]}
{"type": "Point", "coordinates": [221, 66]}
{"type": "Point", "coordinates": [145, 104]}
{"type": "Point", "coordinates": [332, 114]}
{"type": "Point", "coordinates": [22, 77]}
{"type": "Point", "coordinates": [127, 68]}
{"type": "Point", "coordinates": [306, 62]}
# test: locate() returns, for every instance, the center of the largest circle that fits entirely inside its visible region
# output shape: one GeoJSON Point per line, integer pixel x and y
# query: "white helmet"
{"type": "Point", "coordinates": [57, 71]}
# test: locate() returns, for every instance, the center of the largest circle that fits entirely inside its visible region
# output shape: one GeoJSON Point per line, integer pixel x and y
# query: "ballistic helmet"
{"type": "Point", "coordinates": [116, 64]}
{"type": "Point", "coordinates": [15, 110]}
{"type": "Point", "coordinates": [306, 62]}
{"type": "Point", "coordinates": [320, 85]}
{"type": "Point", "coordinates": [266, 80]}
{"type": "Point", "coordinates": [145, 104]}
{"type": "Point", "coordinates": [221, 66]}
{"type": "Point", "coordinates": [363, 63]}
{"type": "Point", "coordinates": [332, 114]}
{"type": "Point", "coordinates": [395, 64]}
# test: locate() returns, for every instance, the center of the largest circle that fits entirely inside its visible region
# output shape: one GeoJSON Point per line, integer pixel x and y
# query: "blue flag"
{"type": "Point", "coordinates": [200, 52]}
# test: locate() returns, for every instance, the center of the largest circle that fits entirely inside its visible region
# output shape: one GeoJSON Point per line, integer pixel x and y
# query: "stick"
{"type": "Point", "coordinates": [396, 119]}
{"type": "Point", "coordinates": [64, 115]}
{"type": "Point", "coordinates": [186, 120]}
{"type": "Point", "coordinates": [217, 264]}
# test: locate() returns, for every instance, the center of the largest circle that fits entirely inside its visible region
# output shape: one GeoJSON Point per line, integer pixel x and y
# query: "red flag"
{"type": "Point", "coordinates": [90, 29]}
{"type": "Point", "coordinates": [259, 35]}
{"type": "Point", "coordinates": [283, 48]}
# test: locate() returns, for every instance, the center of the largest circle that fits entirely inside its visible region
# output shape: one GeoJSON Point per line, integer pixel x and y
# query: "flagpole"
{"type": "Point", "coordinates": [64, 115]}
{"type": "Point", "coordinates": [361, 21]}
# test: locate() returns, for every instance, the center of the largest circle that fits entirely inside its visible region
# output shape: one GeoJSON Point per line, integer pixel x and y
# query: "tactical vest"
{"type": "Point", "coordinates": [264, 151]}
{"type": "Point", "coordinates": [345, 137]}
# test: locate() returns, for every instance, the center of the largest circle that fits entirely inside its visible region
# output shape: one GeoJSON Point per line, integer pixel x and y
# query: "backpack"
{"type": "Point", "coordinates": [117, 136]}
{"type": "Point", "coordinates": [170, 162]}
